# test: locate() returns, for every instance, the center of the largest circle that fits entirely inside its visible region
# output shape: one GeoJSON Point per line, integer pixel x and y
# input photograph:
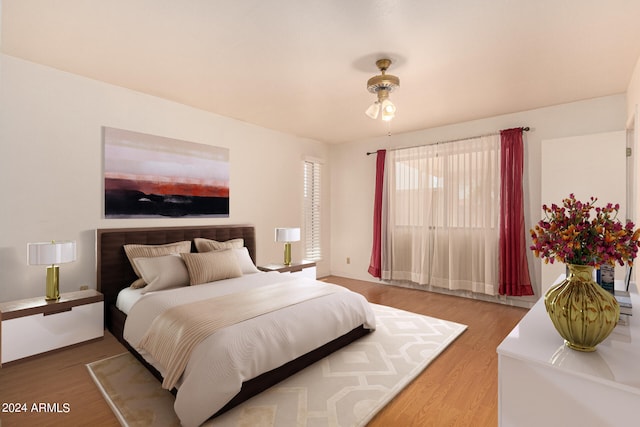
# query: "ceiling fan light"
{"type": "Point", "coordinates": [373, 110]}
{"type": "Point", "coordinates": [388, 110]}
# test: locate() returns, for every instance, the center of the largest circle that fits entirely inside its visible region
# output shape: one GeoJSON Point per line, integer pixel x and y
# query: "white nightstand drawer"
{"type": "Point", "coordinates": [29, 335]}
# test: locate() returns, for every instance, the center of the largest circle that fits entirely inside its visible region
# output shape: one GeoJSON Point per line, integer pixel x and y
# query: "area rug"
{"type": "Point", "coordinates": [346, 388]}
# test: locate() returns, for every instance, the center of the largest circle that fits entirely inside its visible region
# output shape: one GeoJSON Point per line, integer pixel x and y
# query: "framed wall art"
{"type": "Point", "coordinates": [153, 176]}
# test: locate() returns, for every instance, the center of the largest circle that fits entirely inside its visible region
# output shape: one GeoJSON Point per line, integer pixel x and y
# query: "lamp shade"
{"type": "Point", "coordinates": [287, 234]}
{"type": "Point", "coordinates": [373, 110]}
{"type": "Point", "coordinates": [388, 110]}
{"type": "Point", "coordinates": [51, 253]}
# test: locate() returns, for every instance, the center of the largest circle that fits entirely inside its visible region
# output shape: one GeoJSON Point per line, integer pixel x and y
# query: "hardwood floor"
{"type": "Point", "coordinates": [59, 377]}
{"type": "Point", "coordinates": [460, 388]}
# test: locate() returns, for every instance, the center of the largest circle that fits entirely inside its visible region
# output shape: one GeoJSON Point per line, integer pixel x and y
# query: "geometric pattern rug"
{"type": "Point", "coordinates": [346, 388]}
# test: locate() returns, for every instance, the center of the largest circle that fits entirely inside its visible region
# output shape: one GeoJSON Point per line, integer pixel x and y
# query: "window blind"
{"type": "Point", "coordinates": [312, 175]}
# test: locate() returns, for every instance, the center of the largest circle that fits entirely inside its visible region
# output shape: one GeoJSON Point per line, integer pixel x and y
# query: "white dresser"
{"type": "Point", "coordinates": [541, 382]}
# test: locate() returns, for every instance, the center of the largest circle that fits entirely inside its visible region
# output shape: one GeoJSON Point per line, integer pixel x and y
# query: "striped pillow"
{"type": "Point", "coordinates": [211, 266]}
{"type": "Point", "coordinates": [206, 245]}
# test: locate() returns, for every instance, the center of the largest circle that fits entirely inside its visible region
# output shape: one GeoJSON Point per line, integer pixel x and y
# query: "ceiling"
{"type": "Point", "coordinates": [301, 67]}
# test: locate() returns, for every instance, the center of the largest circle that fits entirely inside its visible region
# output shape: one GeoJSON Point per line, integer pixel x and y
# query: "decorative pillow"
{"type": "Point", "coordinates": [244, 260]}
{"type": "Point", "coordinates": [149, 251]}
{"type": "Point", "coordinates": [162, 272]}
{"type": "Point", "coordinates": [206, 245]}
{"type": "Point", "coordinates": [211, 266]}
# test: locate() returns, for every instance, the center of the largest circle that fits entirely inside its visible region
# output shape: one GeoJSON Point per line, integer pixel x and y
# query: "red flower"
{"type": "Point", "coordinates": [568, 234]}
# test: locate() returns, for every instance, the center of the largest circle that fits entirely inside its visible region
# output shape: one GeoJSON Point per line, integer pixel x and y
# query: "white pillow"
{"type": "Point", "coordinates": [162, 272]}
{"type": "Point", "coordinates": [147, 251]}
{"type": "Point", "coordinates": [244, 260]}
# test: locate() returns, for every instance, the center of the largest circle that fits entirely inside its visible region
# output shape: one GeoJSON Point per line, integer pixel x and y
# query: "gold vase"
{"type": "Point", "coordinates": [583, 313]}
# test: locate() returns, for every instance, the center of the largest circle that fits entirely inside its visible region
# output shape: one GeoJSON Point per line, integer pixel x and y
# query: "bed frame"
{"type": "Point", "coordinates": [115, 273]}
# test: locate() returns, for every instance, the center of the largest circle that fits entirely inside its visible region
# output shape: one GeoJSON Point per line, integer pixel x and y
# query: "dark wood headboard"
{"type": "Point", "coordinates": [114, 270]}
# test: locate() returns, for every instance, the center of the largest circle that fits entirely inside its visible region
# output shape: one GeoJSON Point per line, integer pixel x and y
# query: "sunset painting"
{"type": "Point", "coordinates": [153, 176]}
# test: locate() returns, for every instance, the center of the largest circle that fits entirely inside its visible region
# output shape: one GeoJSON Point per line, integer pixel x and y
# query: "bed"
{"type": "Point", "coordinates": [115, 274]}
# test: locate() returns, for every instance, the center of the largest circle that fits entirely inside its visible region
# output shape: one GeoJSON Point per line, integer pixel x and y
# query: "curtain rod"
{"type": "Point", "coordinates": [524, 129]}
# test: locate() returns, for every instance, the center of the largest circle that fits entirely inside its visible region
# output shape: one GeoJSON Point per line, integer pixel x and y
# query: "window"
{"type": "Point", "coordinates": [454, 186]}
{"type": "Point", "coordinates": [312, 210]}
{"type": "Point", "coordinates": [442, 209]}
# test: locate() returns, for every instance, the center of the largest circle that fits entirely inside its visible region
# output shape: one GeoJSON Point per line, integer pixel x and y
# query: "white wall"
{"type": "Point", "coordinates": [353, 173]}
{"type": "Point", "coordinates": [600, 172]}
{"type": "Point", "coordinates": [633, 139]}
{"type": "Point", "coordinates": [51, 169]}
{"type": "Point", "coordinates": [633, 93]}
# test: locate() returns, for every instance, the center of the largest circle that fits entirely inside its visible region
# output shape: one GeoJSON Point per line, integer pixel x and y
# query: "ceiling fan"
{"type": "Point", "coordinates": [382, 85]}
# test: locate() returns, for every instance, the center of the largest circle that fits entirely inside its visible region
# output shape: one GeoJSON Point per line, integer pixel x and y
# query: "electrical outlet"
{"type": "Point", "coordinates": [348, 260]}
{"type": "Point", "coordinates": [84, 287]}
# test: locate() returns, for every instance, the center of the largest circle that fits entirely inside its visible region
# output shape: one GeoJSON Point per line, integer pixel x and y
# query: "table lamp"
{"type": "Point", "coordinates": [287, 235]}
{"type": "Point", "coordinates": [51, 254]}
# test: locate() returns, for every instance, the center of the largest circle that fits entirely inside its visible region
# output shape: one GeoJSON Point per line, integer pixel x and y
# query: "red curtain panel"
{"type": "Point", "coordinates": [514, 271]}
{"type": "Point", "coordinates": [376, 250]}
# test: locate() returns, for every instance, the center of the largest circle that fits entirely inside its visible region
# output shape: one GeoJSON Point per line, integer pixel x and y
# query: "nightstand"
{"type": "Point", "coordinates": [33, 326]}
{"type": "Point", "coordinates": [301, 269]}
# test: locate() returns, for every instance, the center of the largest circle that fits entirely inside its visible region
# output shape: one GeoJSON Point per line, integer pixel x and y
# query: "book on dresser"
{"type": "Point", "coordinates": [623, 298]}
{"type": "Point", "coordinates": [624, 301]}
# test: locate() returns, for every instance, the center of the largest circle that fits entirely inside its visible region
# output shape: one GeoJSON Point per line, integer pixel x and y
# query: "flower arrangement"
{"type": "Point", "coordinates": [569, 234]}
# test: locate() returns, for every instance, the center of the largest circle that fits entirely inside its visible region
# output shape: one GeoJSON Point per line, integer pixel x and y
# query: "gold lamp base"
{"type": "Point", "coordinates": [287, 254]}
{"type": "Point", "coordinates": [53, 289]}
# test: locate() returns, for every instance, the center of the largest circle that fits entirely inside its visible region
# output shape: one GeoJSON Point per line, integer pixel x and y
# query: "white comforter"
{"type": "Point", "coordinates": [222, 362]}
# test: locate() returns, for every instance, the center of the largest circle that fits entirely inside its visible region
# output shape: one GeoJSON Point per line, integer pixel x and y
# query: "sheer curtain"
{"type": "Point", "coordinates": [441, 208]}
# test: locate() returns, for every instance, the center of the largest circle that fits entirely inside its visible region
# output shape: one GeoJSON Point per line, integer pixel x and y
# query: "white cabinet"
{"type": "Point", "coordinates": [541, 382]}
{"type": "Point", "coordinates": [33, 326]}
